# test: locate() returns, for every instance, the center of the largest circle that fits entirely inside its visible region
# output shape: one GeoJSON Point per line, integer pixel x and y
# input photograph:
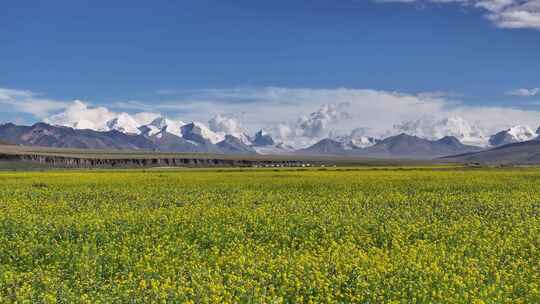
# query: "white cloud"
{"type": "Point", "coordinates": [298, 116]}
{"type": "Point", "coordinates": [310, 128]}
{"type": "Point", "coordinates": [525, 92]}
{"type": "Point", "coordinates": [28, 102]}
{"type": "Point", "coordinates": [435, 128]}
{"type": "Point", "coordinates": [81, 116]}
{"type": "Point", "coordinates": [503, 13]}
{"type": "Point", "coordinates": [225, 124]}
{"type": "Point", "coordinates": [316, 124]}
{"type": "Point", "coordinates": [228, 125]}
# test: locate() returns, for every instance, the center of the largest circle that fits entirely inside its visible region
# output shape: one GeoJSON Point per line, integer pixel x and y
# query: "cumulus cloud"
{"type": "Point", "coordinates": [79, 115]}
{"type": "Point", "coordinates": [525, 92]}
{"type": "Point", "coordinates": [82, 116]}
{"type": "Point", "coordinates": [503, 13]}
{"type": "Point", "coordinates": [298, 108]}
{"type": "Point", "coordinates": [316, 125]}
{"type": "Point", "coordinates": [225, 124]}
{"type": "Point", "coordinates": [299, 116]}
{"type": "Point", "coordinates": [434, 128]}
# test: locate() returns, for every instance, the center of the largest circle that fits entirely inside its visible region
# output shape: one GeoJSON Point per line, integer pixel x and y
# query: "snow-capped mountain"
{"type": "Point", "coordinates": [512, 135]}
{"type": "Point", "coordinates": [243, 137]}
{"type": "Point", "coordinates": [399, 146]}
{"type": "Point", "coordinates": [432, 129]}
{"type": "Point", "coordinates": [408, 146]}
{"type": "Point", "coordinates": [226, 133]}
{"type": "Point", "coordinates": [162, 124]}
{"type": "Point", "coordinates": [123, 123]}
{"type": "Point", "coordinates": [357, 139]}
{"type": "Point", "coordinates": [98, 119]}
{"type": "Point", "coordinates": [465, 132]}
{"type": "Point", "coordinates": [234, 145]}
{"type": "Point", "coordinates": [196, 132]}
{"type": "Point", "coordinates": [199, 133]}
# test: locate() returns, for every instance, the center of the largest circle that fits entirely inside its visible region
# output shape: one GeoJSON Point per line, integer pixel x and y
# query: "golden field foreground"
{"type": "Point", "coordinates": [269, 236]}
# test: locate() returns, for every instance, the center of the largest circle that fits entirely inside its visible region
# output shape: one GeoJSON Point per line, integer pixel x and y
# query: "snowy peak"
{"type": "Point", "coordinates": [240, 135]}
{"type": "Point", "coordinates": [199, 133]}
{"type": "Point", "coordinates": [512, 135]}
{"type": "Point", "coordinates": [234, 145]}
{"type": "Point", "coordinates": [262, 139]}
{"type": "Point", "coordinates": [162, 124]}
{"type": "Point", "coordinates": [123, 123]}
{"type": "Point", "coordinates": [98, 119]}
{"type": "Point", "coordinates": [357, 139]}
{"type": "Point", "coordinates": [522, 133]}
{"type": "Point", "coordinates": [159, 123]}
{"type": "Point", "coordinates": [464, 132]}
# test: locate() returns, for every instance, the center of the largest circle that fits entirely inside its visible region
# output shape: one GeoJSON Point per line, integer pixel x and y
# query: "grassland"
{"type": "Point", "coordinates": [266, 236]}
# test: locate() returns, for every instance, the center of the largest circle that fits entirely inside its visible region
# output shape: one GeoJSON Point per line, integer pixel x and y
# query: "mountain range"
{"type": "Point", "coordinates": [399, 146]}
{"type": "Point", "coordinates": [165, 135]}
{"type": "Point", "coordinates": [527, 152]}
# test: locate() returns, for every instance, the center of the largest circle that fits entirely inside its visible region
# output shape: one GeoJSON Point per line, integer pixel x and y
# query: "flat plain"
{"type": "Point", "coordinates": [370, 235]}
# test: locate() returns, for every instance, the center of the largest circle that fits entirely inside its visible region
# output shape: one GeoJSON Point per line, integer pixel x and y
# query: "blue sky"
{"type": "Point", "coordinates": [121, 54]}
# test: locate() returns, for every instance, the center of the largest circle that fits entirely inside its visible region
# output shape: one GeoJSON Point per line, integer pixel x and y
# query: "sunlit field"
{"type": "Point", "coordinates": [269, 236]}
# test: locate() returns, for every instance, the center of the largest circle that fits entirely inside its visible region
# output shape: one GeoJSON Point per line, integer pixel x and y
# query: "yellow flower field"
{"type": "Point", "coordinates": [268, 236]}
